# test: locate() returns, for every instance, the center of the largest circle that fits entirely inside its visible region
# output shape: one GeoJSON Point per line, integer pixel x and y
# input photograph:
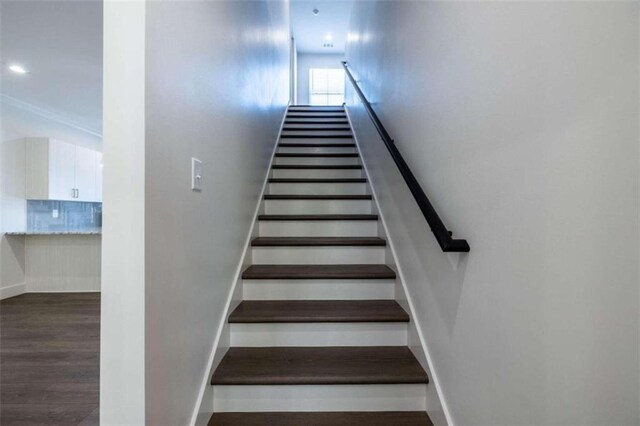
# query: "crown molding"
{"type": "Point", "coordinates": [49, 115]}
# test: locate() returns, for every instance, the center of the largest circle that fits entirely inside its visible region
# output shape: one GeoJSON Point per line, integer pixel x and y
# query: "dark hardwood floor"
{"type": "Point", "coordinates": [49, 359]}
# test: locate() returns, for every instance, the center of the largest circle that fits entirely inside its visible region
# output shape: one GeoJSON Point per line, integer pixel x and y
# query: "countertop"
{"type": "Point", "coordinates": [96, 231]}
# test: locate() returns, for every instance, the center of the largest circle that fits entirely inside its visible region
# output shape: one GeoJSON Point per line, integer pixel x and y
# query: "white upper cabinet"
{"type": "Point", "coordinates": [61, 171]}
{"type": "Point", "coordinates": [85, 174]}
{"type": "Point", "coordinates": [99, 175]}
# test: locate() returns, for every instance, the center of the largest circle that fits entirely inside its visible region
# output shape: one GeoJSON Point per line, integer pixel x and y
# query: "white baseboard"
{"type": "Point", "coordinates": [12, 290]}
{"type": "Point", "coordinates": [204, 404]}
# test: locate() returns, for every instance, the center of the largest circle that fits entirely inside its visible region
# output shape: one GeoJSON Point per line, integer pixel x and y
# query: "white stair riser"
{"type": "Point", "coordinates": [347, 289]}
{"type": "Point", "coordinates": [317, 161]}
{"type": "Point", "coordinates": [316, 150]}
{"type": "Point", "coordinates": [319, 334]}
{"type": "Point", "coordinates": [321, 228]}
{"type": "Point", "coordinates": [318, 255]}
{"type": "Point", "coordinates": [317, 206]}
{"type": "Point", "coordinates": [318, 188]}
{"type": "Point", "coordinates": [247, 398]}
{"type": "Point", "coordinates": [316, 140]}
{"type": "Point", "coordinates": [317, 173]}
{"type": "Point", "coordinates": [313, 133]}
{"type": "Point", "coordinates": [342, 120]}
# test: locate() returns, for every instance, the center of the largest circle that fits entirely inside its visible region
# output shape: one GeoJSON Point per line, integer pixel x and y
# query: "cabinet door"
{"type": "Point", "coordinates": [99, 167]}
{"type": "Point", "coordinates": [61, 170]}
{"type": "Point", "coordinates": [85, 174]}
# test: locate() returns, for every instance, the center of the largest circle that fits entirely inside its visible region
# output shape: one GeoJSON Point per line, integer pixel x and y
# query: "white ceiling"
{"type": "Point", "coordinates": [60, 43]}
{"type": "Point", "coordinates": [310, 30]}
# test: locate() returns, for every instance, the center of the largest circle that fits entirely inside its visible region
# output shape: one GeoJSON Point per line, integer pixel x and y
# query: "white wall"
{"type": "Point", "coordinates": [306, 61]}
{"type": "Point", "coordinates": [216, 87]}
{"type": "Point", "coordinates": [17, 123]}
{"type": "Point", "coordinates": [520, 120]}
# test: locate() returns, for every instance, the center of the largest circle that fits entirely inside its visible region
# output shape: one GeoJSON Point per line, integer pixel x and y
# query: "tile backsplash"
{"type": "Point", "coordinates": [48, 215]}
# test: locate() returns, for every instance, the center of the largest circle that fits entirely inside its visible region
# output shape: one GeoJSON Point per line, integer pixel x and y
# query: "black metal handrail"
{"type": "Point", "coordinates": [442, 234]}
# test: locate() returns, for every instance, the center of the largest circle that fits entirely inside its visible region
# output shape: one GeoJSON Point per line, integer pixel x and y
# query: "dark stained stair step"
{"type": "Point", "coordinates": [317, 145]}
{"type": "Point", "coordinates": [342, 124]}
{"type": "Point", "coordinates": [317, 166]}
{"type": "Point", "coordinates": [312, 121]}
{"type": "Point", "coordinates": [316, 111]}
{"type": "Point", "coordinates": [316, 114]}
{"type": "Point", "coordinates": [324, 418]}
{"type": "Point", "coordinates": [327, 136]}
{"type": "Point", "coordinates": [348, 365]}
{"type": "Point", "coordinates": [306, 311]}
{"type": "Point", "coordinates": [326, 128]}
{"type": "Point", "coordinates": [317, 241]}
{"type": "Point", "coordinates": [315, 108]}
{"type": "Point", "coordinates": [317, 180]}
{"type": "Point", "coordinates": [314, 155]}
{"type": "Point", "coordinates": [317, 217]}
{"type": "Point", "coordinates": [317, 197]}
{"type": "Point", "coordinates": [322, 108]}
{"type": "Point", "coordinates": [359, 271]}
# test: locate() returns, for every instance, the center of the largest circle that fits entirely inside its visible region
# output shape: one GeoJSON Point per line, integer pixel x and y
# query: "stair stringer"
{"type": "Point", "coordinates": [203, 408]}
{"type": "Point", "coordinates": [437, 408]}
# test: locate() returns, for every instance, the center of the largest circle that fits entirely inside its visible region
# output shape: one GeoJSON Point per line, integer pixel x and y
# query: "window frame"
{"type": "Point", "coordinates": [326, 93]}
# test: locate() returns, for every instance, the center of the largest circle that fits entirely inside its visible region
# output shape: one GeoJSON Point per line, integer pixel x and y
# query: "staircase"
{"type": "Point", "coordinates": [318, 338]}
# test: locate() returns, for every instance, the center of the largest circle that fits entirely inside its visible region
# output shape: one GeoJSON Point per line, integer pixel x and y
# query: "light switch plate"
{"type": "Point", "coordinates": [54, 213]}
{"type": "Point", "coordinates": [196, 174]}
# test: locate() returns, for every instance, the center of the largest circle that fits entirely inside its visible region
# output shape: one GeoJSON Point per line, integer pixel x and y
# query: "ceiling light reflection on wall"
{"type": "Point", "coordinates": [18, 69]}
{"type": "Point", "coordinates": [328, 37]}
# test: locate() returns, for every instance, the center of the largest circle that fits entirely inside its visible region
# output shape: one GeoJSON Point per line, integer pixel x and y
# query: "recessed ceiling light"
{"type": "Point", "coordinates": [316, 11]}
{"type": "Point", "coordinates": [17, 69]}
{"type": "Point", "coordinates": [328, 37]}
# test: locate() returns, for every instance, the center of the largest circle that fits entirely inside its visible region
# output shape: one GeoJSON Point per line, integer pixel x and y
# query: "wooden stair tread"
{"type": "Point", "coordinates": [328, 136]}
{"type": "Point", "coordinates": [319, 366]}
{"type": "Point", "coordinates": [297, 311]}
{"type": "Point", "coordinates": [326, 128]}
{"type": "Point", "coordinates": [316, 111]}
{"type": "Point", "coordinates": [316, 145]}
{"type": "Point", "coordinates": [317, 180]}
{"type": "Point", "coordinates": [317, 197]}
{"type": "Point", "coordinates": [312, 121]}
{"type": "Point", "coordinates": [315, 108]}
{"type": "Point", "coordinates": [325, 110]}
{"type": "Point", "coordinates": [317, 166]}
{"type": "Point", "coordinates": [344, 271]}
{"type": "Point", "coordinates": [314, 155]}
{"type": "Point", "coordinates": [317, 241]}
{"type": "Point", "coordinates": [324, 418]}
{"type": "Point", "coordinates": [316, 114]}
{"type": "Point", "coordinates": [318, 217]}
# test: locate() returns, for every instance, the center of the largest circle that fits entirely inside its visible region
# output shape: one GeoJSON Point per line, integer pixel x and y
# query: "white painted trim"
{"type": "Point", "coordinates": [434, 375]}
{"type": "Point", "coordinates": [209, 367]}
{"type": "Point", "coordinates": [49, 115]}
{"type": "Point", "coordinates": [13, 290]}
